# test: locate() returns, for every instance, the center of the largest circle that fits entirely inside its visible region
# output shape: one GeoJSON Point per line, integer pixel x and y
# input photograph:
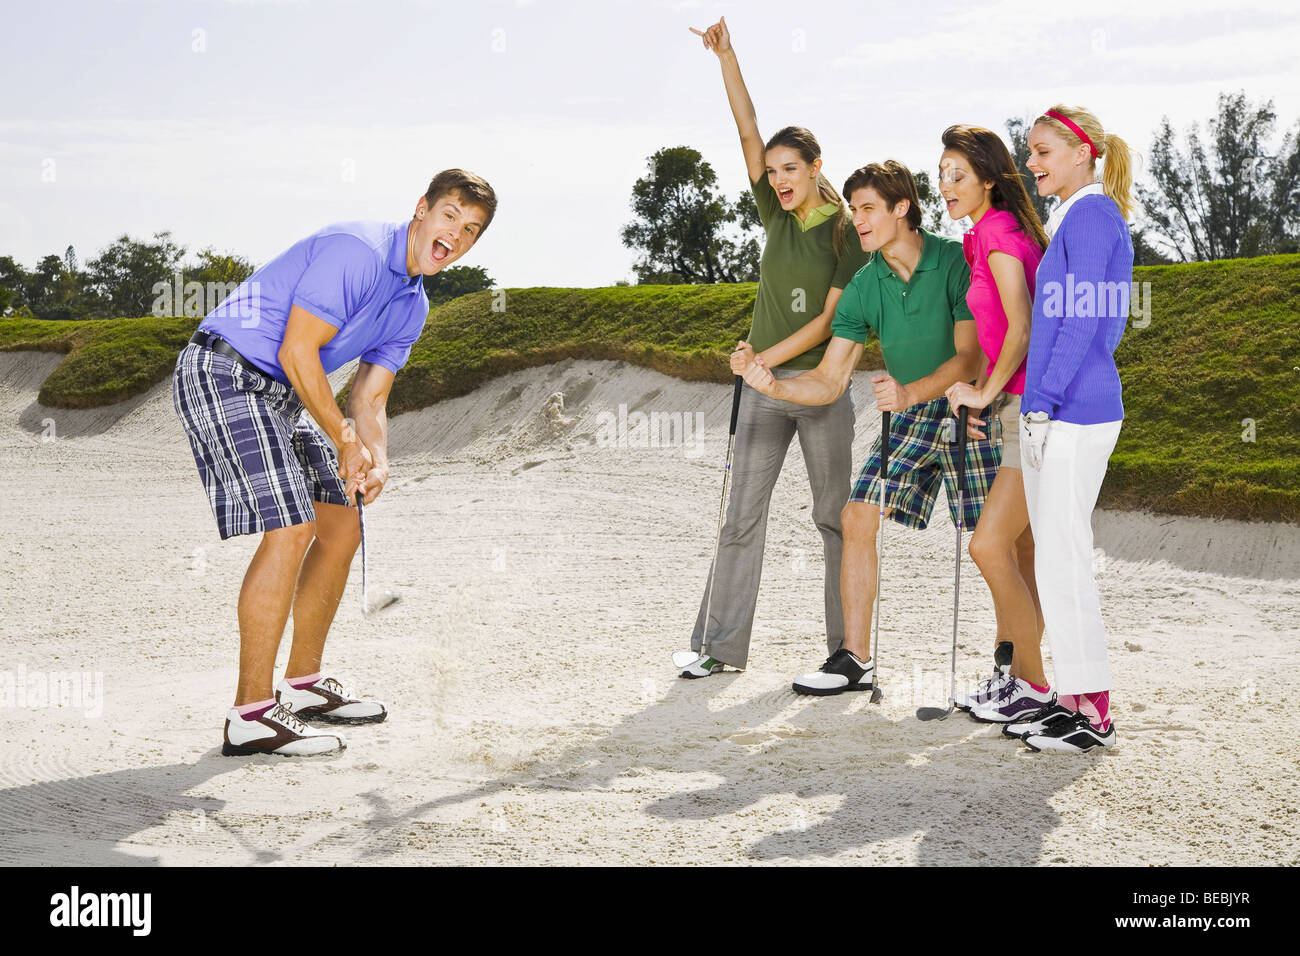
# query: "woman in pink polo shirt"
{"type": "Point", "coordinates": [978, 179]}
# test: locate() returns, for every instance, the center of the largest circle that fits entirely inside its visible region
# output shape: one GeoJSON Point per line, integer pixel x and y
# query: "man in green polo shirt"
{"type": "Point", "coordinates": [912, 295]}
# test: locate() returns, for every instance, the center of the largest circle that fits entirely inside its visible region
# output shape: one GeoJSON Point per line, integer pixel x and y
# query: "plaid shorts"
{"type": "Point", "coordinates": [922, 450]}
{"type": "Point", "coordinates": [262, 460]}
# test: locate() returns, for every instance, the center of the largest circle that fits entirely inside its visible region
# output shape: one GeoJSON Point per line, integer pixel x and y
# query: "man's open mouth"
{"type": "Point", "coordinates": [441, 251]}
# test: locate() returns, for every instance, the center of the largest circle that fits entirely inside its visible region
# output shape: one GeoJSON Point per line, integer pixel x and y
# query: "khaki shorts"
{"type": "Point", "coordinates": [1007, 408]}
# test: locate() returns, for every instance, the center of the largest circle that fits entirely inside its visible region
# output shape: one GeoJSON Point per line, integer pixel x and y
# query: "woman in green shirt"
{"type": "Point", "coordinates": [810, 255]}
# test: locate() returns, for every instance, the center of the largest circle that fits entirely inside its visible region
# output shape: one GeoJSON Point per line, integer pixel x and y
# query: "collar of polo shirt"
{"type": "Point", "coordinates": [817, 216]}
{"type": "Point", "coordinates": [397, 254]}
{"type": "Point", "coordinates": [929, 258]}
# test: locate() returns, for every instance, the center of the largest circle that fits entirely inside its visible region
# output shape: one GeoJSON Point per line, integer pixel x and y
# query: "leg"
{"type": "Point", "coordinates": [763, 433]}
{"type": "Point", "coordinates": [1003, 522]}
{"type": "Point", "coordinates": [858, 574]}
{"type": "Point", "coordinates": [1025, 561]}
{"type": "Point", "coordinates": [826, 439]}
{"type": "Point", "coordinates": [1061, 515]}
{"type": "Point", "coordinates": [320, 584]}
{"type": "Point", "coordinates": [264, 602]}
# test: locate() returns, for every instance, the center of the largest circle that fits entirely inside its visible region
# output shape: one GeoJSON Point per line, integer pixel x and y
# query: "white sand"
{"type": "Point", "coordinates": [545, 581]}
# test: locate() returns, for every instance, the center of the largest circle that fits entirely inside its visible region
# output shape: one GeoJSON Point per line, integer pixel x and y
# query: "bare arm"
{"type": "Point", "coordinates": [810, 336]}
{"type": "Point", "coordinates": [368, 408]}
{"type": "Point", "coordinates": [1009, 274]}
{"type": "Point", "coordinates": [718, 39]}
{"type": "Point", "coordinates": [299, 356]}
{"type": "Point", "coordinates": [820, 386]}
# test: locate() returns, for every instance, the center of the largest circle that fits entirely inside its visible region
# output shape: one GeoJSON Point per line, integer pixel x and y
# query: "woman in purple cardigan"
{"type": "Point", "coordinates": [1072, 409]}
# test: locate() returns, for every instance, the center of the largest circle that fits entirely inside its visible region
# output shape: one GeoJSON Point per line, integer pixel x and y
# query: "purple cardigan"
{"type": "Point", "coordinates": [1081, 302]}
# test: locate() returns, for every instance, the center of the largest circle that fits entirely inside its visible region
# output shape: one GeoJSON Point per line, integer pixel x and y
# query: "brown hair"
{"type": "Point", "coordinates": [1117, 170]}
{"type": "Point", "coordinates": [991, 161]}
{"type": "Point", "coordinates": [805, 144]}
{"type": "Point", "coordinates": [893, 181]}
{"type": "Point", "coordinates": [474, 191]}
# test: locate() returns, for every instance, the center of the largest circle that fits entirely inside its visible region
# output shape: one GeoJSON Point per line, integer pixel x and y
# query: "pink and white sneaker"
{"type": "Point", "coordinates": [329, 701]}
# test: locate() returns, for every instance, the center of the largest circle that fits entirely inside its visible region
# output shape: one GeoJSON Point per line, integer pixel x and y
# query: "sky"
{"type": "Point", "coordinates": [245, 125]}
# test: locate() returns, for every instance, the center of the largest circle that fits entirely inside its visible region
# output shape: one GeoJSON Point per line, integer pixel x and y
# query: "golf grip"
{"type": "Point", "coordinates": [961, 458]}
{"type": "Point", "coordinates": [735, 404]}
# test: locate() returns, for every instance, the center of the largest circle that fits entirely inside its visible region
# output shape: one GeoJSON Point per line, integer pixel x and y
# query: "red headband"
{"type": "Point", "coordinates": [1074, 128]}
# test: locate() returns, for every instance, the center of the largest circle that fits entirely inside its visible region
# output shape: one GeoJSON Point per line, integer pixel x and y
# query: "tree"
{"type": "Point", "coordinates": [681, 223]}
{"type": "Point", "coordinates": [213, 266]}
{"type": "Point", "coordinates": [934, 213]}
{"type": "Point", "coordinates": [1228, 197]}
{"type": "Point", "coordinates": [13, 278]}
{"type": "Point", "coordinates": [52, 291]}
{"type": "Point", "coordinates": [124, 274]}
{"type": "Point", "coordinates": [456, 281]}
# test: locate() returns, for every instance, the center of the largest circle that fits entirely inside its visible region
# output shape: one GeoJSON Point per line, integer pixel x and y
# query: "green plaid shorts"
{"type": "Point", "coordinates": [922, 449]}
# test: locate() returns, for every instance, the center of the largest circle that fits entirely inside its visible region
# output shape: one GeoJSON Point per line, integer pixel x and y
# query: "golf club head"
{"type": "Point", "coordinates": [685, 658]}
{"type": "Point", "coordinates": [387, 601]}
{"type": "Point", "coordinates": [876, 694]}
{"type": "Point", "coordinates": [934, 713]}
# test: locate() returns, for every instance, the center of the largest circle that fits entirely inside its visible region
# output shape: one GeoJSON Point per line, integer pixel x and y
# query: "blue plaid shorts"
{"type": "Point", "coordinates": [923, 451]}
{"type": "Point", "coordinates": [262, 460]}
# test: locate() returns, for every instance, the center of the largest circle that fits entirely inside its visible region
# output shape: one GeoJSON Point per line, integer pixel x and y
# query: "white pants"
{"type": "Point", "coordinates": [1061, 496]}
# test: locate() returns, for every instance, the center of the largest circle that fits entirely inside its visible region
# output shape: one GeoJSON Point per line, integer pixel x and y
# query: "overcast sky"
{"type": "Point", "coordinates": [247, 124]}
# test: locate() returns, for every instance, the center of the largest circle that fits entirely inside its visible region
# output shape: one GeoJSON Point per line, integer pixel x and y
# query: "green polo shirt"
{"type": "Point", "coordinates": [914, 319]}
{"type": "Point", "coordinates": [797, 270]}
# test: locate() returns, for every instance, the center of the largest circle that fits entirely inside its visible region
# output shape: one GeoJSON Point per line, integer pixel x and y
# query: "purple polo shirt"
{"type": "Point", "coordinates": [349, 274]}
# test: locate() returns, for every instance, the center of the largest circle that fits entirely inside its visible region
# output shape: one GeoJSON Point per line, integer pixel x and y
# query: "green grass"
{"type": "Point", "coordinates": [1223, 345]}
{"type": "Point", "coordinates": [108, 360]}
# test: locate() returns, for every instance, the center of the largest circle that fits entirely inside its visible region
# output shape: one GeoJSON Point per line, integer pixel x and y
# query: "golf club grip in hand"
{"type": "Point", "coordinates": [961, 448]}
{"type": "Point", "coordinates": [884, 448]}
{"type": "Point", "coordinates": [735, 405]}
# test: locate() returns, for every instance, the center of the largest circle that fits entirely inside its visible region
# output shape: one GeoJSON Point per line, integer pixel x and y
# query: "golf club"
{"type": "Point", "coordinates": [683, 659]}
{"type": "Point", "coordinates": [876, 692]}
{"type": "Point", "coordinates": [389, 598]}
{"type": "Point", "coordinates": [939, 713]}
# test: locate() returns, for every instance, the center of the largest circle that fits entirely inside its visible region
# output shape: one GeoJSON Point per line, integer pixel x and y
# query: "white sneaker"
{"type": "Point", "coordinates": [984, 690]}
{"type": "Point", "coordinates": [702, 667]}
{"type": "Point", "coordinates": [276, 732]}
{"type": "Point", "coordinates": [330, 701]}
{"type": "Point", "coordinates": [1016, 700]}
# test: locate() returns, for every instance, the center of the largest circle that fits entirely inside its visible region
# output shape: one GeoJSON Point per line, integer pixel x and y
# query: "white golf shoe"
{"type": "Point", "coordinates": [276, 731]}
{"type": "Point", "coordinates": [330, 701]}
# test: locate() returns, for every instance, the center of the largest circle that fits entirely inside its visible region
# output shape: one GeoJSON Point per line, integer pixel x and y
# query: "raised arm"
{"type": "Point", "coordinates": [718, 39]}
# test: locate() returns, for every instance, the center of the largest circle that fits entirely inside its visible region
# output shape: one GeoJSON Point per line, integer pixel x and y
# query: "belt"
{"type": "Point", "coordinates": [222, 347]}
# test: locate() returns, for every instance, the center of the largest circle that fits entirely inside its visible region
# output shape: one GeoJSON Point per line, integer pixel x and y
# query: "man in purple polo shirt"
{"type": "Point", "coordinates": [353, 290]}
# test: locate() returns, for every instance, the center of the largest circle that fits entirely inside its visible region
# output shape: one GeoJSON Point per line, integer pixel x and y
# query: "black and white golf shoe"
{"type": "Point", "coordinates": [1071, 736]}
{"type": "Point", "coordinates": [842, 671]}
{"type": "Point", "coordinates": [1039, 721]}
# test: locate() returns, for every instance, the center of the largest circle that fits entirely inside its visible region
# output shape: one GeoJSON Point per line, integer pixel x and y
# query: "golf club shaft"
{"type": "Point", "coordinates": [361, 517]}
{"type": "Point", "coordinates": [722, 510]}
{"type": "Point", "coordinates": [961, 518]}
{"type": "Point", "coordinates": [880, 536]}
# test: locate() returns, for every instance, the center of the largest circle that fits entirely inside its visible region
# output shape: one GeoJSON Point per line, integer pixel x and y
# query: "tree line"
{"type": "Point", "coordinates": [1228, 194]}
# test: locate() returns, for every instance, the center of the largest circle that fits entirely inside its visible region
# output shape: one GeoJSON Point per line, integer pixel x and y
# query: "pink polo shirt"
{"type": "Point", "coordinates": [997, 231]}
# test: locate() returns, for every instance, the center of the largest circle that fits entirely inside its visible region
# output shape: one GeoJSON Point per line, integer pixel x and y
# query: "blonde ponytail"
{"type": "Point", "coordinates": [1115, 154]}
{"type": "Point", "coordinates": [1117, 172]}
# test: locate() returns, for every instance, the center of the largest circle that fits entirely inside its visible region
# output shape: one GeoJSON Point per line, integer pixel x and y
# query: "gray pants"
{"type": "Point", "coordinates": [763, 433]}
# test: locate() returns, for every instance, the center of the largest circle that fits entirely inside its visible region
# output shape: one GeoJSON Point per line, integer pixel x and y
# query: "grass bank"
{"type": "Point", "coordinates": [1218, 364]}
